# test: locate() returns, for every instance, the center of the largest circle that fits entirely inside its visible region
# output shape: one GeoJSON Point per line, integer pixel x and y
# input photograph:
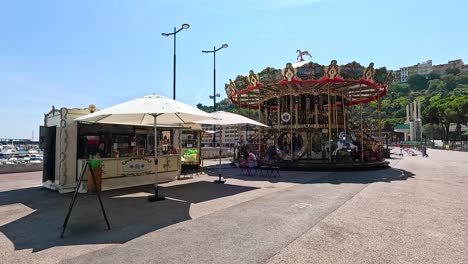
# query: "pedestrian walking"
{"type": "Point", "coordinates": [424, 152]}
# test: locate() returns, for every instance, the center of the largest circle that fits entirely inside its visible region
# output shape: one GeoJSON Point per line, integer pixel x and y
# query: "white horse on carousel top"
{"type": "Point", "coordinates": [343, 143]}
{"type": "Point", "coordinates": [302, 53]}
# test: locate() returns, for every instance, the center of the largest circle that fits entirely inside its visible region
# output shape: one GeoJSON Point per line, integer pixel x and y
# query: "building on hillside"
{"type": "Point", "coordinates": [412, 70]}
{"type": "Point", "coordinates": [404, 74]}
{"type": "Point", "coordinates": [442, 68]}
{"type": "Point", "coordinates": [424, 68]}
{"type": "Point", "coordinates": [464, 68]}
{"type": "Point", "coordinates": [396, 76]}
{"type": "Point", "coordinates": [229, 135]}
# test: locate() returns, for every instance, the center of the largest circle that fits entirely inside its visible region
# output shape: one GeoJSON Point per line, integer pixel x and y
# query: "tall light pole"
{"type": "Point", "coordinates": [214, 83]}
{"type": "Point", "coordinates": [184, 26]}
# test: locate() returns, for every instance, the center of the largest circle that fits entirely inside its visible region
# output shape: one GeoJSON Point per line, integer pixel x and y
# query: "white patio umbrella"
{"type": "Point", "coordinates": [147, 110]}
{"type": "Point", "coordinates": [225, 119]}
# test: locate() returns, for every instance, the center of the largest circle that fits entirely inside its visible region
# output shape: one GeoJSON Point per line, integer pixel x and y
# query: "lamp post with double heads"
{"type": "Point", "coordinates": [184, 26]}
{"type": "Point", "coordinates": [214, 83]}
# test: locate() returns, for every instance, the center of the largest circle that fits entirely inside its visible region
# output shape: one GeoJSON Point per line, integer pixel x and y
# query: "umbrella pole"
{"type": "Point", "coordinates": [156, 196]}
{"type": "Point", "coordinates": [219, 180]}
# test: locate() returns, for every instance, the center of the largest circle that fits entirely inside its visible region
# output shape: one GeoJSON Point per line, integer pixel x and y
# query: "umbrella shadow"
{"type": "Point", "coordinates": [129, 212]}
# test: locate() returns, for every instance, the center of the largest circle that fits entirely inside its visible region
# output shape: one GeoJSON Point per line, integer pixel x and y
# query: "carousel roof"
{"type": "Point", "coordinates": [358, 84]}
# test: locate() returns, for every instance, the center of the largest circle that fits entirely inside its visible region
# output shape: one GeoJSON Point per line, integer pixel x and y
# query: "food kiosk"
{"type": "Point", "coordinates": [126, 153]}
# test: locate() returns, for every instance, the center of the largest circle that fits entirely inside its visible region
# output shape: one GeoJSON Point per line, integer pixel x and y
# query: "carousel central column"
{"type": "Point", "coordinates": [343, 108]}
{"type": "Point", "coordinates": [316, 102]}
{"type": "Point", "coordinates": [248, 115]}
{"type": "Point", "coordinates": [362, 131]}
{"type": "Point", "coordinates": [296, 108]}
{"type": "Point", "coordinates": [329, 122]}
{"type": "Point", "coordinates": [238, 126]}
{"type": "Point", "coordinates": [291, 121]}
{"type": "Point", "coordinates": [380, 127]}
{"type": "Point", "coordinates": [279, 110]}
{"type": "Point", "coordinates": [335, 107]}
{"type": "Point", "coordinates": [260, 109]}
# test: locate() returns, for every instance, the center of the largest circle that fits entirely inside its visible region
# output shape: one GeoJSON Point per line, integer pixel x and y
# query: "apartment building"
{"type": "Point", "coordinates": [229, 135]}
{"type": "Point", "coordinates": [396, 76]}
{"type": "Point", "coordinates": [426, 68]}
{"type": "Point", "coordinates": [441, 68]}
{"type": "Point", "coordinates": [404, 74]}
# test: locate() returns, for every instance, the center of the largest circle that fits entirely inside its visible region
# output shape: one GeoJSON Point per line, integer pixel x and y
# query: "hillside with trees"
{"type": "Point", "coordinates": [444, 100]}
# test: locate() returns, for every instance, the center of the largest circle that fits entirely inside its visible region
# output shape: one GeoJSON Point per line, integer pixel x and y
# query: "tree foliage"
{"type": "Point", "coordinates": [452, 70]}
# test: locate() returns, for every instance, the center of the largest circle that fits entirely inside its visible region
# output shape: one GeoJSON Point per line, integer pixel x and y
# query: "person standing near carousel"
{"type": "Point", "coordinates": [424, 151]}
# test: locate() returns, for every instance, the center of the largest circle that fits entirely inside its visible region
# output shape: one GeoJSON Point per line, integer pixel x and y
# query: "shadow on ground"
{"type": "Point", "coordinates": [365, 177]}
{"type": "Point", "coordinates": [129, 212]}
{"type": "Point", "coordinates": [333, 177]}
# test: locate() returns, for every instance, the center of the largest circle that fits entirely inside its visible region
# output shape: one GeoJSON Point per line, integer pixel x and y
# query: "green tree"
{"type": "Point", "coordinates": [417, 82]}
{"type": "Point", "coordinates": [400, 88]}
{"type": "Point", "coordinates": [433, 76]}
{"type": "Point", "coordinates": [463, 78]}
{"type": "Point", "coordinates": [459, 106]}
{"type": "Point", "coordinates": [451, 81]}
{"type": "Point", "coordinates": [436, 85]}
{"type": "Point", "coordinates": [452, 70]}
{"type": "Point", "coordinates": [428, 131]}
{"type": "Point", "coordinates": [448, 116]}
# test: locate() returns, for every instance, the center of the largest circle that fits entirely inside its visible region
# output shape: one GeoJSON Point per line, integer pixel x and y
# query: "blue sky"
{"type": "Point", "coordinates": [74, 53]}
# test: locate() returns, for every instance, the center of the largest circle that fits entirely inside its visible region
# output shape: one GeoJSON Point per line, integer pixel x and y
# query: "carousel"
{"type": "Point", "coordinates": [318, 116]}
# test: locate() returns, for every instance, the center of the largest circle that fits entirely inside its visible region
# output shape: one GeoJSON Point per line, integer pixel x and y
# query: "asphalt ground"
{"type": "Point", "coordinates": [413, 212]}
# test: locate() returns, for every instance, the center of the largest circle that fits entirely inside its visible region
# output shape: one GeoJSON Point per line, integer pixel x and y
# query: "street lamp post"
{"type": "Point", "coordinates": [184, 26]}
{"type": "Point", "coordinates": [214, 83]}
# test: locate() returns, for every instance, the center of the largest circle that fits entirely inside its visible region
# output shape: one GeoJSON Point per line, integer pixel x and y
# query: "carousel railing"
{"type": "Point", "coordinates": [363, 132]}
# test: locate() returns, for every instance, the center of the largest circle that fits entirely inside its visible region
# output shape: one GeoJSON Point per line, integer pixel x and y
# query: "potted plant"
{"type": "Point", "coordinates": [96, 167]}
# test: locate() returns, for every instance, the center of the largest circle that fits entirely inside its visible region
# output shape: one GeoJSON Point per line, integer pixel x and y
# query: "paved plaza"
{"type": "Point", "coordinates": [412, 212]}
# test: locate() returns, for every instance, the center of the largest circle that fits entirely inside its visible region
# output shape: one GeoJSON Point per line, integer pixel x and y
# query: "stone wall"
{"type": "Point", "coordinates": [14, 168]}
{"type": "Point", "coordinates": [213, 153]}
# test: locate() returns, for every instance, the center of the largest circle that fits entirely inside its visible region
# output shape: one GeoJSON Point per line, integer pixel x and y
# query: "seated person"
{"type": "Point", "coordinates": [252, 160]}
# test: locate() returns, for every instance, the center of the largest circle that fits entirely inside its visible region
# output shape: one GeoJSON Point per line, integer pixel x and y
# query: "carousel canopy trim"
{"type": "Point", "coordinates": [356, 83]}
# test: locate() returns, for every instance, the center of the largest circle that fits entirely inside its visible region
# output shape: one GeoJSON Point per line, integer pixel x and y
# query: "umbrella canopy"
{"type": "Point", "coordinates": [141, 111]}
{"type": "Point", "coordinates": [226, 118]}
{"type": "Point", "coordinates": [150, 109]}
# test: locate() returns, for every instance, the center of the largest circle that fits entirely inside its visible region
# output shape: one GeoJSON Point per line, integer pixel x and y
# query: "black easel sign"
{"type": "Point", "coordinates": [75, 194]}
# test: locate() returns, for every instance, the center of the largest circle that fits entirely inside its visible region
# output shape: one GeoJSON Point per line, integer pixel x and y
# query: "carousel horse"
{"type": "Point", "coordinates": [327, 146]}
{"type": "Point", "coordinates": [343, 143]}
{"type": "Point", "coordinates": [302, 53]}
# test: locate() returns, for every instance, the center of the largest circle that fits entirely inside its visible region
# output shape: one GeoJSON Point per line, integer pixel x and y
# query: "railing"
{"type": "Point", "coordinates": [359, 129]}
